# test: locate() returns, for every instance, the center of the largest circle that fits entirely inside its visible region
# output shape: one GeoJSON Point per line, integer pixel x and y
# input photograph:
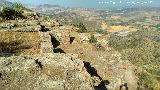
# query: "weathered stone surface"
{"type": "Point", "coordinates": [30, 15]}
{"type": "Point", "coordinates": [50, 24]}
{"type": "Point", "coordinates": [58, 72]}
{"type": "Point", "coordinates": [95, 80]}
{"type": "Point", "coordinates": [63, 71]}
{"type": "Point", "coordinates": [46, 47]}
{"type": "Point", "coordinates": [46, 44]}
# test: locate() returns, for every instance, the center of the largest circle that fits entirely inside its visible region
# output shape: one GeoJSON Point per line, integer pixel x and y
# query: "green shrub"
{"type": "Point", "coordinates": [102, 32]}
{"type": "Point", "coordinates": [157, 26]}
{"type": "Point", "coordinates": [11, 14]}
{"type": "Point", "coordinates": [82, 28]}
{"type": "Point", "coordinates": [147, 80]}
{"type": "Point", "coordinates": [18, 7]}
{"type": "Point", "coordinates": [45, 18]}
{"type": "Point", "coordinates": [92, 39]}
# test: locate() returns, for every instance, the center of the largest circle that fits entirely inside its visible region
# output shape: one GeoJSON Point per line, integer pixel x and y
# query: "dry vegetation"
{"type": "Point", "coordinates": [120, 28]}
{"type": "Point", "coordinates": [19, 42]}
{"type": "Point", "coordinates": [142, 49]}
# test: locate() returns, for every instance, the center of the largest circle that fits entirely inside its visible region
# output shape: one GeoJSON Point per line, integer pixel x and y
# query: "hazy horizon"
{"type": "Point", "coordinates": [92, 3]}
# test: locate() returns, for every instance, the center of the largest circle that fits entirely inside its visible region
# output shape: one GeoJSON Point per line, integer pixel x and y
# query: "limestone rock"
{"type": "Point", "coordinates": [30, 15]}
{"type": "Point", "coordinates": [95, 81]}
{"type": "Point", "coordinates": [57, 72]}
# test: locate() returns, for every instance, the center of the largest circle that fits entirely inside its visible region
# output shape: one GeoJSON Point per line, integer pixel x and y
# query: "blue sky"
{"type": "Point", "coordinates": [92, 3]}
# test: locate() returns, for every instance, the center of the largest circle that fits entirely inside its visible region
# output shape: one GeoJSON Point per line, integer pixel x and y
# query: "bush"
{"type": "Point", "coordinates": [82, 28]}
{"type": "Point", "coordinates": [102, 32]}
{"type": "Point", "coordinates": [45, 18]}
{"type": "Point", "coordinates": [11, 14]}
{"type": "Point", "coordinates": [18, 7]}
{"type": "Point", "coordinates": [147, 80]}
{"type": "Point", "coordinates": [157, 26]}
{"type": "Point", "coordinates": [92, 39]}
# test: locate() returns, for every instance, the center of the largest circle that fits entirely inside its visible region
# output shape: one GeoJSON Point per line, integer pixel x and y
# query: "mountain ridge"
{"type": "Point", "coordinates": [5, 3]}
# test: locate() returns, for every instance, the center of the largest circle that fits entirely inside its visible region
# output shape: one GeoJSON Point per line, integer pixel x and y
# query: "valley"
{"type": "Point", "coordinates": [49, 47]}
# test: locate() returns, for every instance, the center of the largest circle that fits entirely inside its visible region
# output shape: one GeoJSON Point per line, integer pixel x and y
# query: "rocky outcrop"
{"type": "Point", "coordinates": [116, 71]}
{"type": "Point", "coordinates": [30, 15]}
{"type": "Point", "coordinates": [43, 72]}
{"type": "Point", "coordinates": [46, 44]}
{"type": "Point", "coordinates": [51, 70]}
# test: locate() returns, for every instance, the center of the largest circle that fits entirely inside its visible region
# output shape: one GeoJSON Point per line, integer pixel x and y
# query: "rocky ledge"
{"type": "Point", "coordinates": [44, 72]}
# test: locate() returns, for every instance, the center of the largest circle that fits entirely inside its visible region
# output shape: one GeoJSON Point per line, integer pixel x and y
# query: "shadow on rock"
{"type": "Point", "coordinates": [58, 50]}
{"type": "Point", "coordinates": [54, 41]}
{"type": "Point", "coordinates": [39, 63]}
{"type": "Point", "coordinates": [43, 29]}
{"type": "Point", "coordinates": [93, 72]}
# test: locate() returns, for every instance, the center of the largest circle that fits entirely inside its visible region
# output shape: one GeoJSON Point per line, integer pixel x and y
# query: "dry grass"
{"type": "Point", "coordinates": [20, 42]}
{"type": "Point", "coordinates": [120, 28]}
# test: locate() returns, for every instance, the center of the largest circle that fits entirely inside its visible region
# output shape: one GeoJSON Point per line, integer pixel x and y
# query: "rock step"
{"type": "Point", "coordinates": [46, 47]}
{"type": "Point", "coordinates": [46, 44]}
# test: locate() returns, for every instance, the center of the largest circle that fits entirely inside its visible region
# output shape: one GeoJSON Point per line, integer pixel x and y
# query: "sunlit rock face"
{"type": "Point", "coordinates": [45, 71]}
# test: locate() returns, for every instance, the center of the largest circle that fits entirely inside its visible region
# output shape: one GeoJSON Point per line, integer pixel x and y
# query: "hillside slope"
{"type": "Point", "coordinates": [5, 3]}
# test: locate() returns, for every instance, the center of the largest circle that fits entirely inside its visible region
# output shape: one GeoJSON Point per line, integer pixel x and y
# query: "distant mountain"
{"type": "Point", "coordinates": [5, 3]}
{"type": "Point", "coordinates": [46, 9]}
{"type": "Point", "coordinates": [48, 6]}
{"type": "Point", "coordinates": [43, 7]}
